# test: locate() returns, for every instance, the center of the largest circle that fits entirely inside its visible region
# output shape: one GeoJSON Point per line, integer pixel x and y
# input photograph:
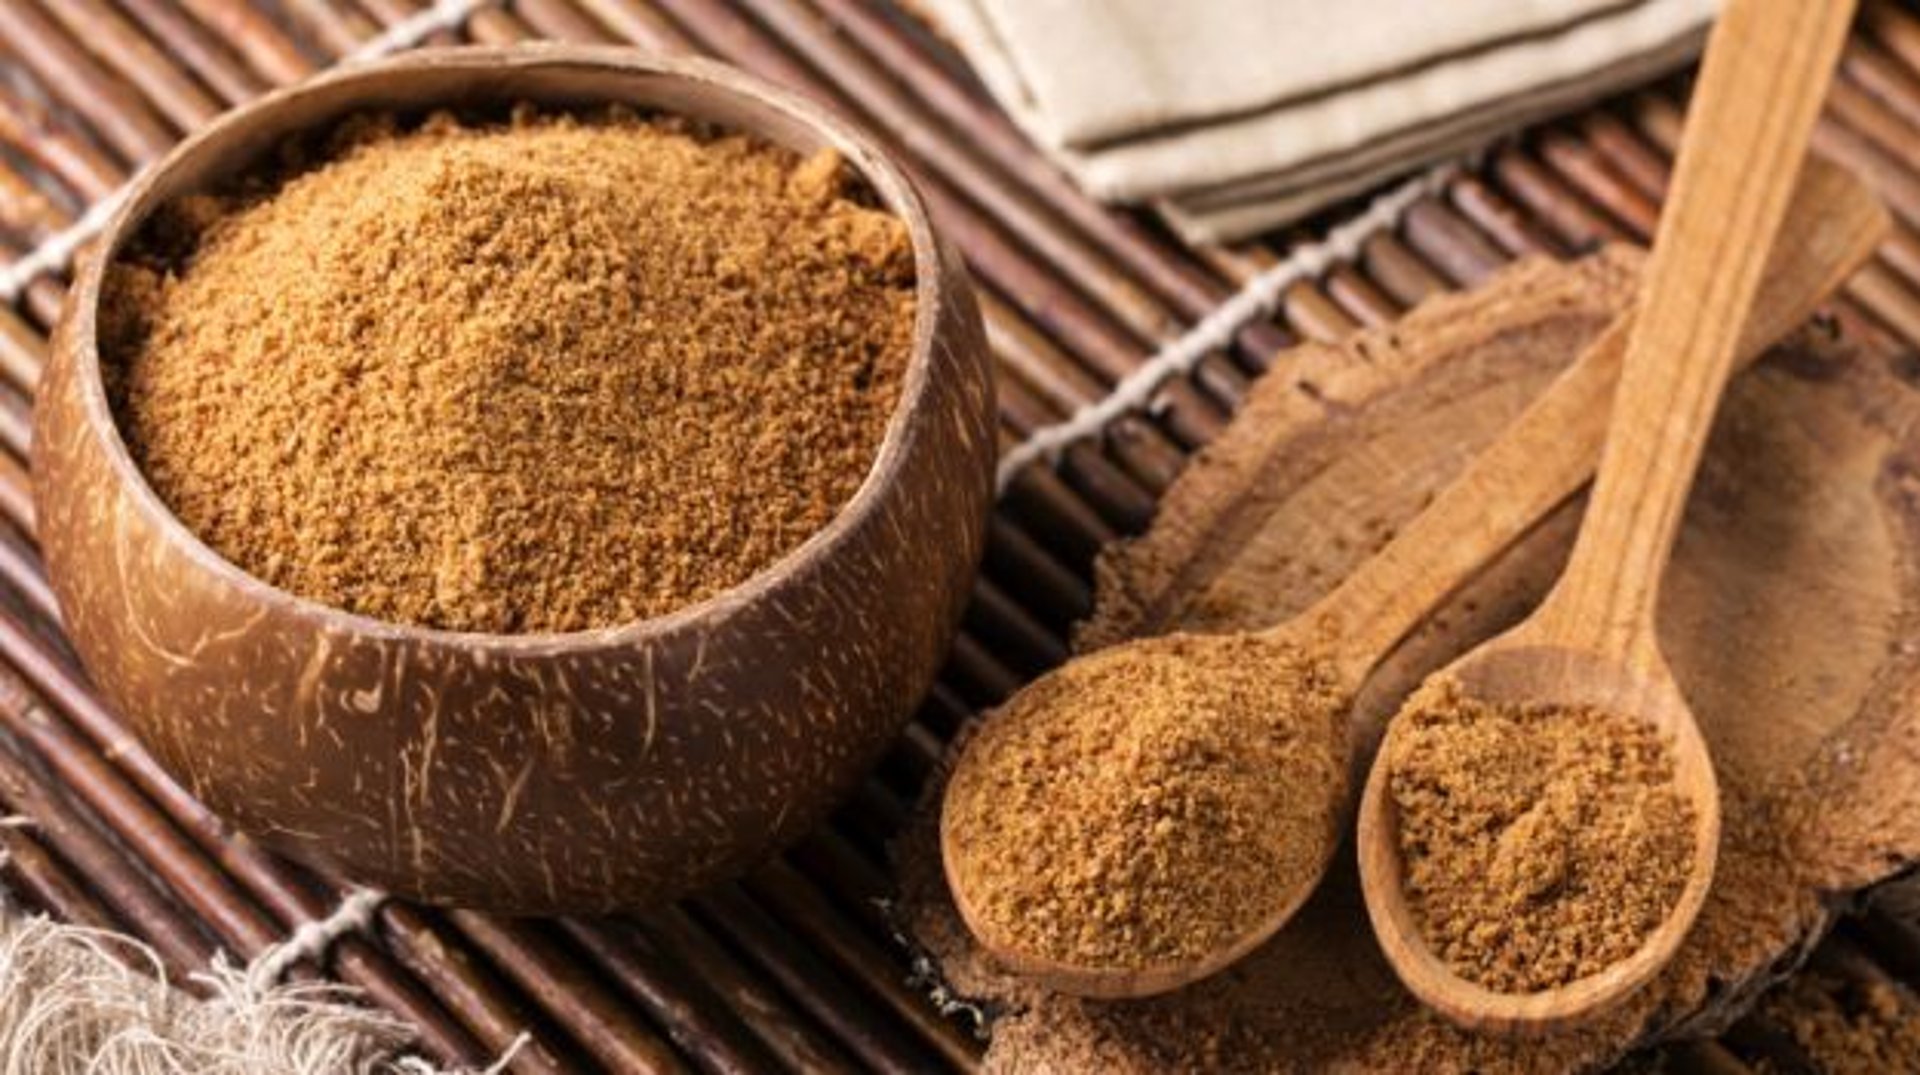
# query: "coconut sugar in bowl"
{"type": "Point", "coordinates": [566, 771]}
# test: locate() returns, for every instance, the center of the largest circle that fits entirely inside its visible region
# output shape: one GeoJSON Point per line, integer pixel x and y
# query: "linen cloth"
{"type": "Point", "coordinates": [1232, 116]}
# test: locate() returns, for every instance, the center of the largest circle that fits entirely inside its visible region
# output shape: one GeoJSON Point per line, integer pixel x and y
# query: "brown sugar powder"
{"type": "Point", "coordinates": [1858, 1027]}
{"type": "Point", "coordinates": [1541, 844]}
{"type": "Point", "coordinates": [545, 374]}
{"type": "Point", "coordinates": [1146, 804]}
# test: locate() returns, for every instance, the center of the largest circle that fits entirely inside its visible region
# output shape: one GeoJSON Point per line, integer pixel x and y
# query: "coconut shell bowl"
{"type": "Point", "coordinates": [583, 772]}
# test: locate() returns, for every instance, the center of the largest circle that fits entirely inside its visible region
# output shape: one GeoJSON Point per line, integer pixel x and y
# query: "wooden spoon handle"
{"type": "Point", "coordinates": [1833, 225]}
{"type": "Point", "coordinates": [1767, 67]}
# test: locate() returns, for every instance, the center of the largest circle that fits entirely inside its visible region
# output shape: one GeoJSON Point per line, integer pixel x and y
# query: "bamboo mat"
{"type": "Point", "coordinates": [792, 968]}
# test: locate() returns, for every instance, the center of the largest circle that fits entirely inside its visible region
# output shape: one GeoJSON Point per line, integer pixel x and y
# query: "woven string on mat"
{"type": "Point", "coordinates": [1258, 298]}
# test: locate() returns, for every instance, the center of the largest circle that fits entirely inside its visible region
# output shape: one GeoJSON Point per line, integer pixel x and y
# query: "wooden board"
{"type": "Point", "coordinates": [1794, 592]}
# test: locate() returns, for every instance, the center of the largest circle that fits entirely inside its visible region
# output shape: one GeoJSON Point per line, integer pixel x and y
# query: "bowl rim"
{"type": "Point", "coordinates": [875, 166]}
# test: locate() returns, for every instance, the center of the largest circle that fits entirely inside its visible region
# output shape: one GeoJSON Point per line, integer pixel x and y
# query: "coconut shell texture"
{"type": "Point", "coordinates": [573, 773]}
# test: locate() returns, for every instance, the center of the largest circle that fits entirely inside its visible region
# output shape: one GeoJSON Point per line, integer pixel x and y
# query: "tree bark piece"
{"type": "Point", "coordinates": [1796, 575]}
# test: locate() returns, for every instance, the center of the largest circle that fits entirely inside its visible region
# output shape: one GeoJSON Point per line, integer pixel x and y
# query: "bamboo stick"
{"type": "Point", "coordinates": [798, 1043]}
{"type": "Point", "coordinates": [1084, 490]}
{"type": "Point", "coordinates": [210, 57]}
{"type": "Point", "coordinates": [161, 922]}
{"type": "Point", "coordinates": [1639, 163]}
{"type": "Point", "coordinates": [1360, 297]}
{"type": "Point", "coordinates": [77, 162]}
{"type": "Point", "coordinates": [19, 560]}
{"type": "Point", "coordinates": [1315, 315]}
{"type": "Point", "coordinates": [1605, 190]}
{"type": "Point", "coordinates": [1017, 406]}
{"type": "Point", "coordinates": [994, 614]}
{"type": "Point", "coordinates": [1028, 353]}
{"type": "Point", "coordinates": [945, 711]}
{"type": "Point", "coordinates": [814, 987]}
{"type": "Point", "coordinates": [797, 904]}
{"type": "Point", "coordinates": [1841, 956]}
{"type": "Point", "coordinates": [1038, 498]}
{"type": "Point", "coordinates": [1873, 116]}
{"type": "Point", "coordinates": [639, 23]}
{"type": "Point", "coordinates": [1879, 73]}
{"type": "Point", "coordinates": [1901, 251]}
{"type": "Point", "coordinates": [337, 28]}
{"type": "Point", "coordinates": [16, 496]}
{"type": "Point", "coordinates": [551, 18]}
{"type": "Point", "coordinates": [1659, 118]}
{"type": "Point", "coordinates": [25, 212]}
{"type": "Point", "coordinates": [16, 421]}
{"type": "Point", "coordinates": [1896, 186]}
{"type": "Point", "coordinates": [917, 755]}
{"type": "Point", "coordinates": [1499, 219]}
{"type": "Point", "coordinates": [977, 673]}
{"type": "Point", "coordinates": [1048, 591]}
{"type": "Point", "coordinates": [913, 759]}
{"type": "Point", "coordinates": [497, 26]}
{"type": "Point", "coordinates": [271, 53]}
{"type": "Point", "coordinates": [1150, 458]}
{"type": "Point", "coordinates": [452, 974]}
{"type": "Point", "coordinates": [111, 107]}
{"type": "Point", "coordinates": [1399, 271]}
{"type": "Point", "coordinates": [39, 875]}
{"type": "Point", "coordinates": [1896, 29]}
{"type": "Point", "coordinates": [45, 297]}
{"type": "Point", "coordinates": [1046, 584]}
{"type": "Point", "coordinates": [691, 1015]}
{"type": "Point", "coordinates": [118, 43]}
{"type": "Point", "coordinates": [1886, 298]}
{"type": "Point", "coordinates": [491, 24]}
{"type": "Point", "coordinates": [22, 349]}
{"type": "Point", "coordinates": [603, 1026]}
{"type": "Point", "coordinates": [1450, 243]}
{"type": "Point", "coordinates": [856, 883]}
{"type": "Point", "coordinates": [1577, 227]}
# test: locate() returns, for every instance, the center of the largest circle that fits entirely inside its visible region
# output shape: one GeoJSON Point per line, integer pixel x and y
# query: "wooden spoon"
{"type": "Point", "coordinates": [1593, 641]}
{"type": "Point", "coordinates": [1548, 452]}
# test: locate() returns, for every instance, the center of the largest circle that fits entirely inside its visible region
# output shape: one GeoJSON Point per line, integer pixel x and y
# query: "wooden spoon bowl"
{"type": "Point", "coordinates": [1249, 670]}
{"type": "Point", "coordinates": [1525, 673]}
{"type": "Point", "coordinates": [1594, 641]}
{"type": "Point", "coordinates": [576, 772]}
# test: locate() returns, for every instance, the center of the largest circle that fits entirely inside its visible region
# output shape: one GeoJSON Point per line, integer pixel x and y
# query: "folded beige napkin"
{"type": "Point", "coordinates": [1238, 115]}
